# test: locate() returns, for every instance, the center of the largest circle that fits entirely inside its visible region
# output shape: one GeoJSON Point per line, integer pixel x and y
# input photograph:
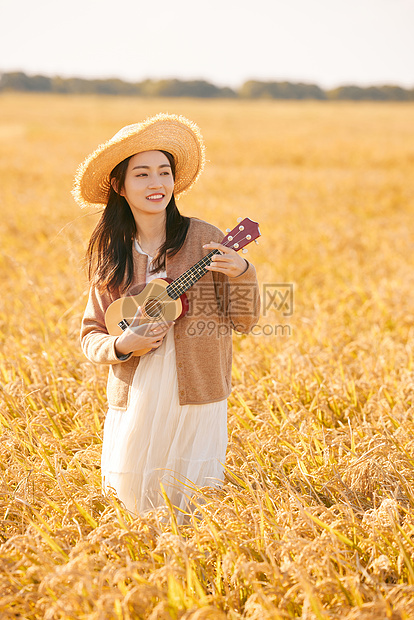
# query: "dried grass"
{"type": "Point", "coordinates": [315, 518]}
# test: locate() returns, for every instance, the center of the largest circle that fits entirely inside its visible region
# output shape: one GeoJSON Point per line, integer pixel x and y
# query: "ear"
{"type": "Point", "coordinates": [116, 188]}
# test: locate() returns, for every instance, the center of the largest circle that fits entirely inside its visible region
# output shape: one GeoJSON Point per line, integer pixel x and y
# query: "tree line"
{"type": "Point", "coordinates": [252, 89]}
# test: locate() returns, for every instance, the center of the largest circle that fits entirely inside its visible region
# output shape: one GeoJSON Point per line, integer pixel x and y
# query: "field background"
{"type": "Point", "coordinates": [315, 519]}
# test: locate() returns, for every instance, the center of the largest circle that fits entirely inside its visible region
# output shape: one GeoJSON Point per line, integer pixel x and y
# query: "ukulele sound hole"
{"type": "Point", "coordinates": [153, 308]}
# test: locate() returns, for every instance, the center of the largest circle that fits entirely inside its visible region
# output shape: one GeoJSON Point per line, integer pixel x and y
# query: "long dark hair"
{"type": "Point", "coordinates": [109, 254]}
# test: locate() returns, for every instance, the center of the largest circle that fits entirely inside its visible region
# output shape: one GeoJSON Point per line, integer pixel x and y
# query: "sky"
{"type": "Point", "coordinates": [226, 42]}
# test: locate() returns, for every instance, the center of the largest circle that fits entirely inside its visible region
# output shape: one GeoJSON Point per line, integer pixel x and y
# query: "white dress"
{"type": "Point", "coordinates": [157, 440]}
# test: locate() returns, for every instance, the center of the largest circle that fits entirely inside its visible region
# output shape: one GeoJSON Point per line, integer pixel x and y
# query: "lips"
{"type": "Point", "coordinates": [155, 197]}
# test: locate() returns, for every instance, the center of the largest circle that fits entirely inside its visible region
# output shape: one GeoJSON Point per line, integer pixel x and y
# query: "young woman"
{"type": "Point", "coordinates": [166, 426]}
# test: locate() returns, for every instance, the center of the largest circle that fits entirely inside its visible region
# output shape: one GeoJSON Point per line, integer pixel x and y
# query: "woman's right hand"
{"type": "Point", "coordinates": [137, 337]}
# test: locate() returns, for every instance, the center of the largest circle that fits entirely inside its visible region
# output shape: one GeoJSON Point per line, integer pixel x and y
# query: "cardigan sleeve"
{"type": "Point", "coordinates": [244, 300]}
{"type": "Point", "coordinates": [97, 344]}
{"type": "Point", "coordinates": [240, 296]}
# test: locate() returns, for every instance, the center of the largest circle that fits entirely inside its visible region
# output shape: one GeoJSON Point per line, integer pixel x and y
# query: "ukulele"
{"type": "Point", "coordinates": [164, 299]}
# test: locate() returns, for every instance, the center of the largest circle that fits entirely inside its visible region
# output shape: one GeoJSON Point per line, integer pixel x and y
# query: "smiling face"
{"type": "Point", "coordinates": [149, 183]}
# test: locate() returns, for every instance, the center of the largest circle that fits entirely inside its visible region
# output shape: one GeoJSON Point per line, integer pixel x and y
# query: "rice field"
{"type": "Point", "coordinates": [315, 519]}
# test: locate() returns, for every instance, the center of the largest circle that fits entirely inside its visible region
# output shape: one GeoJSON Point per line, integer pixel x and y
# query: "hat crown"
{"type": "Point", "coordinates": [163, 132]}
{"type": "Point", "coordinates": [125, 131]}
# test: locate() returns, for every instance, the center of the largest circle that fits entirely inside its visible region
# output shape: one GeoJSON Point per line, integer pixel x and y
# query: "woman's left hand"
{"type": "Point", "coordinates": [228, 261]}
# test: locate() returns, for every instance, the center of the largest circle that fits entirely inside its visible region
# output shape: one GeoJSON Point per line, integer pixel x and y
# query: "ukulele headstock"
{"type": "Point", "coordinates": [244, 233]}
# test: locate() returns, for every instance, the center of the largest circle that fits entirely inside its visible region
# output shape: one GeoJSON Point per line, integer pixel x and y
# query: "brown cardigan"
{"type": "Point", "coordinates": [203, 337]}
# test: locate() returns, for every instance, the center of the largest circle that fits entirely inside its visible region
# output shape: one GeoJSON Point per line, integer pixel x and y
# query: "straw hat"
{"type": "Point", "coordinates": [163, 132]}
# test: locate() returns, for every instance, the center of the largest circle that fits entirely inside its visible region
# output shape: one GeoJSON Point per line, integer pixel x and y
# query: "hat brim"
{"type": "Point", "coordinates": [164, 132]}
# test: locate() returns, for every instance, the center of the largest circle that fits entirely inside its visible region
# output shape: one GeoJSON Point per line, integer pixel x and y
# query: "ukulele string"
{"type": "Point", "coordinates": [188, 279]}
{"type": "Point", "coordinates": [185, 279]}
{"type": "Point", "coordinates": [165, 296]}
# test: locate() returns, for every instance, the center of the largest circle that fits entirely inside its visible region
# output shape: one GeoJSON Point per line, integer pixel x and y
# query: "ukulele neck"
{"type": "Point", "coordinates": [179, 286]}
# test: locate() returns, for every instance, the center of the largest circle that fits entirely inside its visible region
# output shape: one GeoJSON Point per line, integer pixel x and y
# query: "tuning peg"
{"type": "Point", "coordinates": [228, 230]}
{"type": "Point", "coordinates": [239, 219]}
{"type": "Point", "coordinates": [244, 251]}
{"type": "Point", "coordinates": [256, 242]}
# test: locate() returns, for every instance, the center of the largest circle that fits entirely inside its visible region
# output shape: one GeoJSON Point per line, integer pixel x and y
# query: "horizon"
{"type": "Point", "coordinates": [202, 79]}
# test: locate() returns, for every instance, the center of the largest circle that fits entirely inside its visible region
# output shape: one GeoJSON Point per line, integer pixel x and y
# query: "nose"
{"type": "Point", "coordinates": [154, 181]}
